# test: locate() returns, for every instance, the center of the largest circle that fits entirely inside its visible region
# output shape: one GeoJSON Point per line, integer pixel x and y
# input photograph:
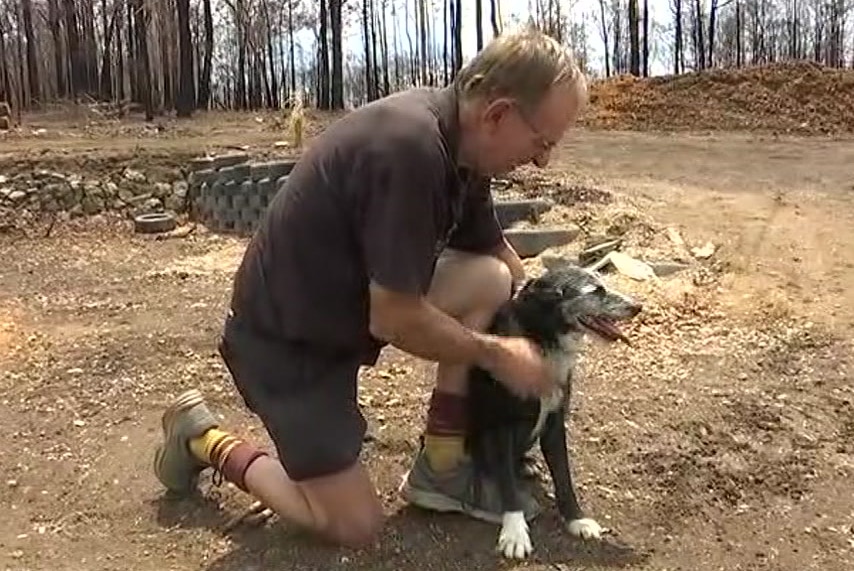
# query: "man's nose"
{"type": "Point", "coordinates": [542, 159]}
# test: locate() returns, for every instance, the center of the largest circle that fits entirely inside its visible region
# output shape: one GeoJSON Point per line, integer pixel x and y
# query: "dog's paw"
{"type": "Point", "coordinates": [514, 541]}
{"type": "Point", "coordinates": [585, 528]}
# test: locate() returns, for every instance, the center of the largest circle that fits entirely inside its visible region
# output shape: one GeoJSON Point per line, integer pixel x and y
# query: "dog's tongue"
{"type": "Point", "coordinates": [606, 328]}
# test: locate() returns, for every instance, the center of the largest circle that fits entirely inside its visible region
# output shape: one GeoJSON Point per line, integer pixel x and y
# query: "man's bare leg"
{"type": "Point", "coordinates": [343, 507]}
{"type": "Point", "coordinates": [470, 288]}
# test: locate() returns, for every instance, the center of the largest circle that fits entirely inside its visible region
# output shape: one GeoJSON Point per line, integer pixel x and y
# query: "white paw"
{"type": "Point", "coordinates": [514, 541]}
{"type": "Point", "coordinates": [585, 528]}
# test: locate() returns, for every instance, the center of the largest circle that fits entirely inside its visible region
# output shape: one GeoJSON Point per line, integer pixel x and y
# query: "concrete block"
{"type": "Point", "coordinates": [512, 211]}
{"type": "Point", "coordinates": [530, 242]}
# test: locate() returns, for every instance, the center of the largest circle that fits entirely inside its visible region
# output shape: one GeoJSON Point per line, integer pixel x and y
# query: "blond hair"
{"type": "Point", "coordinates": [522, 65]}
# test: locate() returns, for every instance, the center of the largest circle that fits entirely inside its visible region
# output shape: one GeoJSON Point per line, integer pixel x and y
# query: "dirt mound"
{"type": "Point", "coordinates": [792, 97]}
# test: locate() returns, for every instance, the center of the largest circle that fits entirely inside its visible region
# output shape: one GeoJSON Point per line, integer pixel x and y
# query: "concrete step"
{"type": "Point", "coordinates": [511, 211]}
{"type": "Point", "coordinates": [530, 242]}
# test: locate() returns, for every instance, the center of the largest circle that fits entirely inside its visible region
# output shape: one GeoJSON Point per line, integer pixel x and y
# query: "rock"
{"type": "Point", "coordinates": [597, 248]}
{"type": "Point", "coordinates": [93, 188]}
{"type": "Point", "coordinates": [126, 195]}
{"type": "Point", "coordinates": [554, 261]}
{"type": "Point", "coordinates": [56, 190]}
{"type": "Point", "coordinates": [707, 250]}
{"type": "Point", "coordinates": [149, 205]}
{"type": "Point", "coordinates": [177, 197]}
{"type": "Point", "coordinates": [50, 205]}
{"type": "Point", "coordinates": [162, 189]}
{"type": "Point", "coordinates": [531, 242]}
{"type": "Point", "coordinates": [134, 175]}
{"type": "Point", "coordinates": [667, 268]}
{"type": "Point", "coordinates": [511, 211]}
{"type": "Point", "coordinates": [201, 163]}
{"type": "Point", "coordinates": [91, 204]}
{"type": "Point", "coordinates": [180, 188]}
{"type": "Point", "coordinates": [17, 195]}
{"type": "Point", "coordinates": [229, 160]}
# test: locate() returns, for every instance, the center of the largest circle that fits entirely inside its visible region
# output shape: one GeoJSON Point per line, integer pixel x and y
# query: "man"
{"type": "Point", "coordinates": [385, 233]}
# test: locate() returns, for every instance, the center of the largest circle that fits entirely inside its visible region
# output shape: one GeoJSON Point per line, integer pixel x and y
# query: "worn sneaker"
{"type": "Point", "coordinates": [186, 418]}
{"type": "Point", "coordinates": [460, 491]}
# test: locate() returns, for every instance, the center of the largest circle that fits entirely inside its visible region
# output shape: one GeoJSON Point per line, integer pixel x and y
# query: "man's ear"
{"type": "Point", "coordinates": [496, 110]}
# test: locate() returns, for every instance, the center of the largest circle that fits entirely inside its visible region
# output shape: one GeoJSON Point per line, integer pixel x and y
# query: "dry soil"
{"type": "Point", "coordinates": [721, 440]}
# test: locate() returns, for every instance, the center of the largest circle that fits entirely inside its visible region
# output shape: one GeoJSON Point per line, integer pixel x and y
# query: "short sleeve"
{"type": "Point", "coordinates": [397, 215]}
{"type": "Point", "coordinates": [478, 230]}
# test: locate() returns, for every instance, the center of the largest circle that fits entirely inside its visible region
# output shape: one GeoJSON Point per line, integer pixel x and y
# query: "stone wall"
{"type": "Point", "coordinates": [226, 193]}
{"type": "Point", "coordinates": [52, 192]}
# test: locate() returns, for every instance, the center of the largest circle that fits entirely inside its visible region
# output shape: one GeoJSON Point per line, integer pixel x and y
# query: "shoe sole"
{"type": "Point", "coordinates": [184, 401]}
{"type": "Point", "coordinates": [441, 503]}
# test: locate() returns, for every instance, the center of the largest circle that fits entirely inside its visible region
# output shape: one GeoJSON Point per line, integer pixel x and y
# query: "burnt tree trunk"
{"type": "Point", "coordinates": [323, 71]}
{"type": "Point", "coordinates": [32, 59]}
{"type": "Point", "coordinates": [186, 100]}
{"type": "Point", "coordinates": [337, 55]}
{"type": "Point", "coordinates": [143, 64]}
{"type": "Point", "coordinates": [205, 79]}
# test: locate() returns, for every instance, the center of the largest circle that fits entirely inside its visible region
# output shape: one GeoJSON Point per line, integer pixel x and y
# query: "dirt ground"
{"type": "Point", "coordinates": [721, 440]}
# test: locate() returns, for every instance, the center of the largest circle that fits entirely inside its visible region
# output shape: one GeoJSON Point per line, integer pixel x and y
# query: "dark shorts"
{"type": "Point", "coordinates": [304, 395]}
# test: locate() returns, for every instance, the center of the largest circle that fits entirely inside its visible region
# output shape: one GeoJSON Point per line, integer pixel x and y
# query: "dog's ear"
{"type": "Point", "coordinates": [539, 291]}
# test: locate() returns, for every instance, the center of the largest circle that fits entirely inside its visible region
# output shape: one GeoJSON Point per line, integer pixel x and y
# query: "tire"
{"type": "Point", "coordinates": [154, 223]}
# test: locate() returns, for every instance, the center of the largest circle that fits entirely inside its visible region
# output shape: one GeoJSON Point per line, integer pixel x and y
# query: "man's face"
{"type": "Point", "coordinates": [511, 137]}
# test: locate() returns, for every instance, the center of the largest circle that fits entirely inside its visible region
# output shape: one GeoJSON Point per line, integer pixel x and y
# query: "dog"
{"type": "Point", "coordinates": [556, 311]}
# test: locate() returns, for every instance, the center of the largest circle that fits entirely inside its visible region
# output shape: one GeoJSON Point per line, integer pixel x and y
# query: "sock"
{"type": "Point", "coordinates": [226, 453]}
{"type": "Point", "coordinates": [444, 440]}
{"type": "Point", "coordinates": [203, 446]}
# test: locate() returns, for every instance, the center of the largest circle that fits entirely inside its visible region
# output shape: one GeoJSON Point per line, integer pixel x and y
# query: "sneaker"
{"type": "Point", "coordinates": [461, 491]}
{"type": "Point", "coordinates": [186, 418]}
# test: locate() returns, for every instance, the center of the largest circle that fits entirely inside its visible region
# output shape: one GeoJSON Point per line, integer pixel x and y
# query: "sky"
{"type": "Point", "coordinates": [510, 9]}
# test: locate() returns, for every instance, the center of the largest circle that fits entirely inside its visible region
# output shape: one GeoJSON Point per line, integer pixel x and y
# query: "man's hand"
{"type": "Point", "coordinates": [413, 325]}
{"type": "Point", "coordinates": [518, 364]}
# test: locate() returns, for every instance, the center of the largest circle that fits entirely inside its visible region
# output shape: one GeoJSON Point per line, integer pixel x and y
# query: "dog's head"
{"type": "Point", "coordinates": [570, 299]}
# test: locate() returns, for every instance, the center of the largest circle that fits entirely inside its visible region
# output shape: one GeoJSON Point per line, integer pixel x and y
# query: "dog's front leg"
{"type": "Point", "coordinates": [553, 445]}
{"type": "Point", "coordinates": [514, 540]}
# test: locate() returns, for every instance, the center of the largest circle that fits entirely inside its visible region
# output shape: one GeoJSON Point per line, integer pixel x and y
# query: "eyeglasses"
{"type": "Point", "coordinates": [542, 141]}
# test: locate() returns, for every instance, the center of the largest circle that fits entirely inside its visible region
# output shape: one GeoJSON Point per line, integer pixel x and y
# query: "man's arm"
{"type": "Point", "coordinates": [507, 254]}
{"type": "Point", "coordinates": [415, 326]}
{"type": "Point", "coordinates": [398, 235]}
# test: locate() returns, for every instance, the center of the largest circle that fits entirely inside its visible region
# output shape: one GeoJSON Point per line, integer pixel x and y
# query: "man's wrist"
{"type": "Point", "coordinates": [487, 350]}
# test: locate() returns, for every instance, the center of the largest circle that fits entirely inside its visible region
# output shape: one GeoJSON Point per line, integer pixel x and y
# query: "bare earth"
{"type": "Point", "coordinates": [722, 440]}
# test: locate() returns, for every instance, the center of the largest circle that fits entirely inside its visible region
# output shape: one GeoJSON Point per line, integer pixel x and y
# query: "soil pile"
{"type": "Point", "coordinates": [792, 97]}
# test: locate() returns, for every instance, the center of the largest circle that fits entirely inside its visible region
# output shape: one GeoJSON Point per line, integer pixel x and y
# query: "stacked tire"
{"type": "Point", "coordinates": [233, 199]}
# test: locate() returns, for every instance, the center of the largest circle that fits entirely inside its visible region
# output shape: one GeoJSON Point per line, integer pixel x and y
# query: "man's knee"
{"type": "Point", "coordinates": [468, 283]}
{"type": "Point", "coordinates": [356, 530]}
{"type": "Point", "coordinates": [499, 275]}
{"type": "Point", "coordinates": [346, 507]}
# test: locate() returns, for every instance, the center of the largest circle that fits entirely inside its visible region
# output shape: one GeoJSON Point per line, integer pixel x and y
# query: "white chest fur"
{"type": "Point", "coordinates": [562, 361]}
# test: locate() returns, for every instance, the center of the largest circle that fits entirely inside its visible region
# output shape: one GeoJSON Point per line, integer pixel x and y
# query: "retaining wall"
{"type": "Point", "coordinates": [228, 194]}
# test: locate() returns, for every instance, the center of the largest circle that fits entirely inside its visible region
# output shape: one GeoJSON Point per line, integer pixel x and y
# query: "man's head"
{"type": "Point", "coordinates": [518, 96]}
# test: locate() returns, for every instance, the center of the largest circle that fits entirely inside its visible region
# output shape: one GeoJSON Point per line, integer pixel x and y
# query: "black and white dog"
{"type": "Point", "coordinates": [555, 310]}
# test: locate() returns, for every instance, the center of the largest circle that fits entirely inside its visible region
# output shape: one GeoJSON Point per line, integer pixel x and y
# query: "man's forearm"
{"type": "Point", "coordinates": [419, 328]}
